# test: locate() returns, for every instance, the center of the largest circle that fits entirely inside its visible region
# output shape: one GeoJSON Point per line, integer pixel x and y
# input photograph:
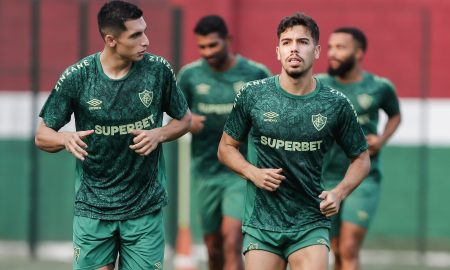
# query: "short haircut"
{"type": "Point", "coordinates": [113, 15]}
{"type": "Point", "coordinates": [211, 24]}
{"type": "Point", "coordinates": [299, 19]}
{"type": "Point", "coordinates": [357, 35]}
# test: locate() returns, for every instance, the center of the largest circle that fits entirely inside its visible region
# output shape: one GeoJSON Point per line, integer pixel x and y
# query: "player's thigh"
{"type": "Point", "coordinates": [263, 260]}
{"type": "Point", "coordinates": [142, 242]}
{"type": "Point", "coordinates": [360, 206]}
{"type": "Point", "coordinates": [304, 239]}
{"type": "Point", "coordinates": [233, 198]}
{"type": "Point", "coordinates": [95, 243]}
{"type": "Point", "coordinates": [209, 203]}
{"type": "Point", "coordinates": [311, 257]}
{"type": "Point", "coordinates": [261, 241]}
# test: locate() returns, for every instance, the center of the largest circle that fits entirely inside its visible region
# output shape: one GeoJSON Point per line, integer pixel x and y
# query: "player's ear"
{"type": "Point", "coordinates": [359, 54]}
{"type": "Point", "coordinates": [110, 41]}
{"type": "Point", "coordinates": [317, 49]}
{"type": "Point", "coordinates": [277, 49]}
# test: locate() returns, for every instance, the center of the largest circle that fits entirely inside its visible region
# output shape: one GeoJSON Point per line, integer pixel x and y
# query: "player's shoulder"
{"type": "Point", "coordinates": [379, 80]}
{"type": "Point", "coordinates": [154, 59]}
{"type": "Point", "coordinates": [80, 66]}
{"type": "Point", "coordinates": [330, 93]}
{"type": "Point", "coordinates": [257, 87]}
{"type": "Point", "coordinates": [255, 65]}
{"type": "Point", "coordinates": [191, 67]}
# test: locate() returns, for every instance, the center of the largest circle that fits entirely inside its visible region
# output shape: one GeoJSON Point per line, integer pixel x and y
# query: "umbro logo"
{"type": "Point", "coordinates": [270, 117]}
{"type": "Point", "coordinates": [322, 241]}
{"type": "Point", "coordinates": [94, 104]}
{"type": "Point", "coordinates": [202, 89]}
{"type": "Point", "coordinates": [252, 246]}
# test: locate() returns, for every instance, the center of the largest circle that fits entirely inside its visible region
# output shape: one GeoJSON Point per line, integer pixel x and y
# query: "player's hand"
{"type": "Point", "coordinates": [330, 204]}
{"type": "Point", "coordinates": [145, 141]}
{"type": "Point", "coordinates": [197, 123]}
{"type": "Point", "coordinates": [374, 143]}
{"type": "Point", "coordinates": [73, 142]}
{"type": "Point", "coordinates": [267, 179]}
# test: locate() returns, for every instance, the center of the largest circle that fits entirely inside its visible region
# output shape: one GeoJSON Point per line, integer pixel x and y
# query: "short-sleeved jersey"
{"type": "Point", "coordinates": [293, 133]}
{"type": "Point", "coordinates": [212, 94]}
{"type": "Point", "coordinates": [114, 182]}
{"type": "Point", "coordinates": [368, 96]}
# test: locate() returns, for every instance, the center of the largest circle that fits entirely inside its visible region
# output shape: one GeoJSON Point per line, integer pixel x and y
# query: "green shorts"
{"type": "Point", "coordinates": [140, 242]}
{"type": "Point", "coordinates": [284, 243]}
{"type": "Point", "coordinates": [359, 207]}
{"type": "Point", "coordinates": [219, 197]}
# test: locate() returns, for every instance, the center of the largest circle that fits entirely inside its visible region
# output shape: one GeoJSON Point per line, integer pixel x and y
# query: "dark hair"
{"type": "Point", "coordinates": [357, 35]}
{"type": "Point", "coordinates": [113, 15]}
{"type": "Point", "coordinates": [211, 24]}
{"type": "Point", "coordinates": [299, 19]}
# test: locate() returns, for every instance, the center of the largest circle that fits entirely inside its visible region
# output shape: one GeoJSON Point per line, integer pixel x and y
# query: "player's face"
{"type": "Point", "coordinates": [296, 51]}
{"type": "Point", "coordinates": [342, 54]}
{"type": "Point", "coordinates": [132, 43]}
{"type": "Point", "coordinates": [213, 49]}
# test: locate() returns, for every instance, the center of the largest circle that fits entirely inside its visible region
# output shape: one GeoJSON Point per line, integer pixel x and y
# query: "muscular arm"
{"type": "Point", "coordinates": [53, 141]}
{"type": "Point", "coordinates": [229, 154]}
{"type": "Point", "coordinates": [356, 172]}
{"type": "Point", "coordinates": [376, 142]}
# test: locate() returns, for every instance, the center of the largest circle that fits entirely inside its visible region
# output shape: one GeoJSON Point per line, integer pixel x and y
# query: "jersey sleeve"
{"type": "Point", "coordinates": [238, 122]}
{"type": "Point", "coordinates": [349, 134]}
{"type": "Point", "coordinates": [174, 102]}
{"type": "Point", "coordinates": [390, 104]}
{"type": "Point", "coordinates": [58, 109]}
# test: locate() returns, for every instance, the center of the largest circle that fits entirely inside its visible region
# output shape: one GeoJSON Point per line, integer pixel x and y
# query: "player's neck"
{"type": "Point", "coordinates": [354, 75]}
{"type": "Point", "coordinates": [230, 62]}
{"type": "Point", "coordinates": [114, 66]}
{"type": "Point", "coordinates": [297, 86]}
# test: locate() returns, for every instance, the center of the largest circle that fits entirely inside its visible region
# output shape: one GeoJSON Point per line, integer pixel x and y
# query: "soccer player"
{"type": "Point", "coordinates": [118, 97]}
{"type": "Point", "coordinates": [210, 85]}
{"type": "Point", "coordinates": [368, 93]}
{"type": "Point", "coordinates": [293, 120]}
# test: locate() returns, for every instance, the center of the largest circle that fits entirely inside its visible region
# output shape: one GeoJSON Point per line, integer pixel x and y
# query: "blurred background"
{"type": "Point", "coordinates": [408, 43]}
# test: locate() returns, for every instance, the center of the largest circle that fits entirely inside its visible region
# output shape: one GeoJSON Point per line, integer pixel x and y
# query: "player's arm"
{"type": "Point", "coordinates": [356, 172]}
{"type": "Point", "coordinates": [52, 141]}
{"type": "Point", "coordinates": [145, 141]}
{"type": "Point", "coordinates": [376, 142]}
{"type": "Point", "coordinates": [197, 124]}
{"type": "Point", "coordinates": [229, 154]}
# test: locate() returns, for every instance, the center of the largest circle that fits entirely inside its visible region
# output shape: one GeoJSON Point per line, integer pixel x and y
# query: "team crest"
{"type": "Point", "coordinates": [237, 86]}
{"type": "Point", "coordinates": [365, 101]}
{"type": "Point", "coordinates": [76, 253]}
{"type": "Point", "coordinates": [319, 121]}
{"type": "Point", "coordinates": [146, 97]}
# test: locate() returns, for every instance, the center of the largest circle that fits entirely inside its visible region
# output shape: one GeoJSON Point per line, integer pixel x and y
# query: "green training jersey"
{"type": "Point", "coordinates": [293, 133]}
{"type": "Point", "coordinates": [368, 97]}
{"type": "Point", "coordinates": [212, 94]}
{"type": "Point", "coordinates": [114, 182]}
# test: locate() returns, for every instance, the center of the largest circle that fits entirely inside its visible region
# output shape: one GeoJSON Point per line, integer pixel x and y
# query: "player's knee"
{"type": "Point", "coordinates": [348, 250]}
{"type": "Point", "coordinates": [233, 243]}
